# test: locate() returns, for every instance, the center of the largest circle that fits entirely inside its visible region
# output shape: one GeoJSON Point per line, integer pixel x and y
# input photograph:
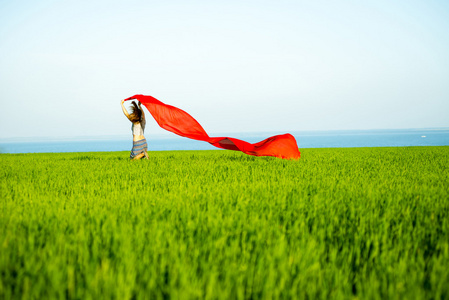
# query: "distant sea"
{"type": "Point", "coordinates": [305, 139]}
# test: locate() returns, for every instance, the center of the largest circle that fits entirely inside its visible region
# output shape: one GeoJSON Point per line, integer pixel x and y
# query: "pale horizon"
{"type": "Point", "coordinates": [163, 134]}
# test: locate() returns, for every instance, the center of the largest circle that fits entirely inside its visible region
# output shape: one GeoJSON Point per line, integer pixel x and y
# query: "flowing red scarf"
{"type": "Point", "coordinates": [178, 121]}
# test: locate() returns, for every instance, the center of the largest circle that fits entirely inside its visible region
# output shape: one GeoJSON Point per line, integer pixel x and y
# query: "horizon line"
{"type": "Point", "coordinates": [170, 134]}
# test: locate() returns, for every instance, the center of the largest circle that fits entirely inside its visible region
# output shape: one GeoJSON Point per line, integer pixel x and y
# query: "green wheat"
{"type": "Point", "coordinates": [369, 223]}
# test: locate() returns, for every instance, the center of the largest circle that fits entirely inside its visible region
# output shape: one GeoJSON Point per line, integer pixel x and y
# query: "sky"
{"type": "Point", "coordinates": [235, 66]}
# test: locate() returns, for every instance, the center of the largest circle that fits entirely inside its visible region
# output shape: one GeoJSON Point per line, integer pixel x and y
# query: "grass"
{"type": "Point", "coordinates": [369, 223]}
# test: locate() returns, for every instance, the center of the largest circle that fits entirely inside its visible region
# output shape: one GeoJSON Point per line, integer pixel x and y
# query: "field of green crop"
{"type": "Point", "coordinates": [367, 223]}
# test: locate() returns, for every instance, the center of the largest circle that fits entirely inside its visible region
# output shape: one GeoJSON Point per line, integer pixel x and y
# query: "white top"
{"type": "Point", "coordinates": [138, 127]}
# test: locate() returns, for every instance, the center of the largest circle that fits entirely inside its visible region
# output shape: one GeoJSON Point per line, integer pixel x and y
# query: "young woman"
{"type": "Point", "coordinates": [137, 117]}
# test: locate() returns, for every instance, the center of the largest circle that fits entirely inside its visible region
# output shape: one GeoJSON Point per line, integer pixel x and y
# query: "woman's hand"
{"type": "Point", "coordinates": [123, 101]}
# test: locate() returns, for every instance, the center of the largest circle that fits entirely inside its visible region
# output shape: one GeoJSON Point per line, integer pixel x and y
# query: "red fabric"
{"type": "Point", "coordinates": [178, 121]}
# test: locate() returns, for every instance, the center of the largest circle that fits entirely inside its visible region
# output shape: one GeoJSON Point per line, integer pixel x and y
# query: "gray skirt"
{"type": "Point", "coordinates": [138, 148]}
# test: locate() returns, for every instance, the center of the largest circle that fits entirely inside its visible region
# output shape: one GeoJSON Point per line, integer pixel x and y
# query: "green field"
{"type": "Point", "coordinates": [367, 223]}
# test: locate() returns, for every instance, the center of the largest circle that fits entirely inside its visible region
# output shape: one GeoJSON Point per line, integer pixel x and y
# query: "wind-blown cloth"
{"type": "Point", "coordinates": [181, 123]}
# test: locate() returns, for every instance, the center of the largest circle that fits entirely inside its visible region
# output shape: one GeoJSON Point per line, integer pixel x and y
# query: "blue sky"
{"type": "Point", "coordinates": [236, 66]}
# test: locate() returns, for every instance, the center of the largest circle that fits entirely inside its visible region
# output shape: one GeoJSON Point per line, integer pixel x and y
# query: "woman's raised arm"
{"type": "Point", "coordinates": [124, 109]}
{"type": "Point", "coordinates": [143, 113]}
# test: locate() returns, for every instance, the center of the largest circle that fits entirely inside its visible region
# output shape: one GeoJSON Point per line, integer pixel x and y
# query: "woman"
{"type": "Point", "coordinates": [137, 117]}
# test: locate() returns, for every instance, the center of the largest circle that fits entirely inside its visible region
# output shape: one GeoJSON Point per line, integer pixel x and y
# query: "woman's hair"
{"type": "Point", "coordinates": [136, 113]}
